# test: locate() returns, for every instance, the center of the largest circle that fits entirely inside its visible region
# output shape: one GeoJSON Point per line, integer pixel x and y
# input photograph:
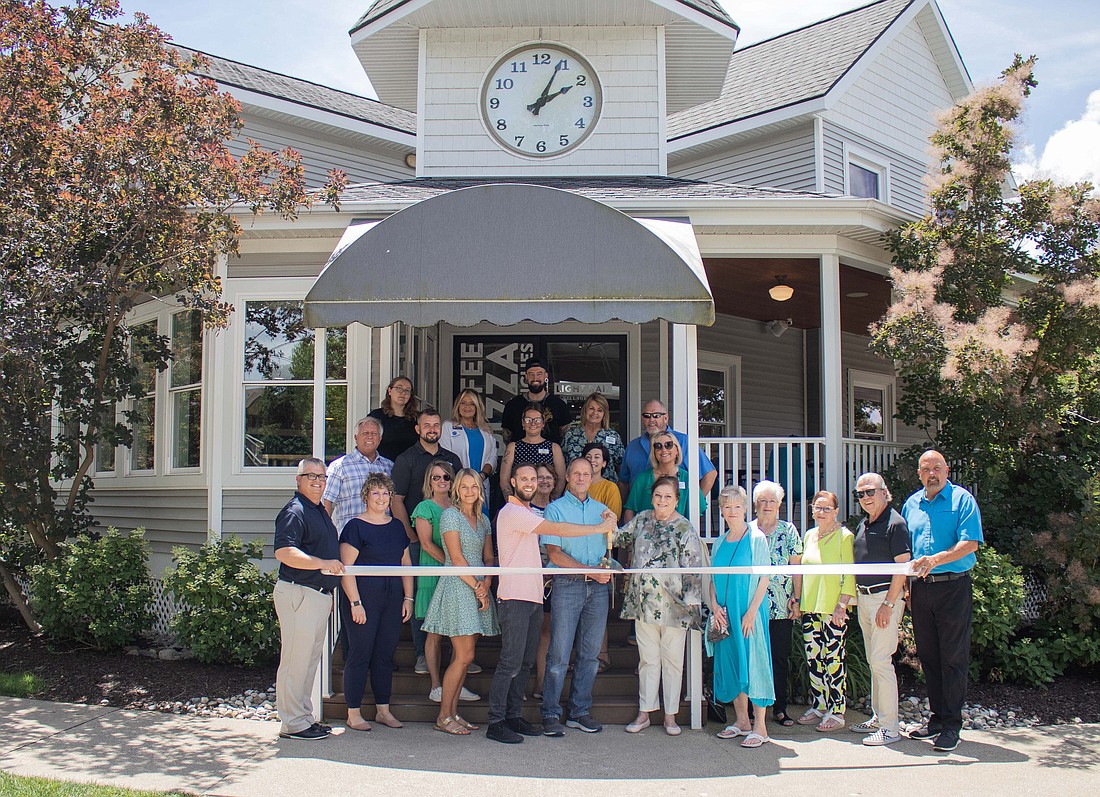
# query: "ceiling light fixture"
{"type": "Point", "coordinates": [857, 294]}
{"type": "Point", "coordinates": [781, 291]}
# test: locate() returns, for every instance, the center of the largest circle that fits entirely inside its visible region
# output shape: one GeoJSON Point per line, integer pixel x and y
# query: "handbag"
{"type": "Point", "coordinates": [715, 632]}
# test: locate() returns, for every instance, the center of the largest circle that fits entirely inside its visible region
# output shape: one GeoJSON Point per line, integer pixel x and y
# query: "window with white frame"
{"type": "Point", "coordinates": [719, 394]}
{"type": "Point", "coordinates": [865, 177]}
{"type": "Point", "coordinates": [870, 406]}
{"type": "Point", "coordinates": [105, 453]}
{"type": "Point", "coordinates": [185, 389]}
{"type": "Point", "coordinates": [278, 386]}
{"type": "Point", "coordinates": [143, 408]}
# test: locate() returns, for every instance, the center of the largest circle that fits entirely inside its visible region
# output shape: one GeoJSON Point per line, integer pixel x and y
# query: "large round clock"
{"type": "Point", "coordinates": [541, 100]}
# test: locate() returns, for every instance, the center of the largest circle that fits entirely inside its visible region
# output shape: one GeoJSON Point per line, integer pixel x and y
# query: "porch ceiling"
{"type": "Point", "coordinates": [505, 253]}
{"type": "Point", "coordinates": [740, 287]}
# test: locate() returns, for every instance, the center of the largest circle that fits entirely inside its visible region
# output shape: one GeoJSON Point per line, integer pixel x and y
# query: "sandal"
{"type": "Point", "coordinates": [830, 723]}
{"type": "Point", "coordinates": [603, 666]}
{"type": "Point", "coordinates": [781, 718]}
{"type": "Point", "coordinates": [731, 732]}
{"type": "Point", "coordinates": [754, 740]}
{"type": "Point", "coordinates": [451, 726]}
{"type": "Point", "coordinates": [465, 723]}
{"type": "Point", "coordinates": [811, 717]}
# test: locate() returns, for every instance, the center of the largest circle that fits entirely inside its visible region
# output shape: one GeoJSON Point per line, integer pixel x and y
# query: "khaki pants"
{"type": "Point", "coordinates": [303, 621]}
{"type": "Point", "coordinates": [661, 665]}
{"type": "Point", "coordinates": [880, 644]}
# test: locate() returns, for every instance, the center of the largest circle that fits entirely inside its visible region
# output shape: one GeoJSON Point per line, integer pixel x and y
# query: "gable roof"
{"type": "Point", "coordinates": [303, 92]}
{"type": "Point", "coordinates": [791, 68]}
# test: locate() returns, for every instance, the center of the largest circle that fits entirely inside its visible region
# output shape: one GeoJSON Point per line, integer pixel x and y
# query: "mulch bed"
{"type": "Point", "coordinates": [75, 674]}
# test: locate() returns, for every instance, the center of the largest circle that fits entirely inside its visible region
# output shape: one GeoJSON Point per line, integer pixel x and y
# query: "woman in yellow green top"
{"type": "Point", "coordinates": [824, 607]}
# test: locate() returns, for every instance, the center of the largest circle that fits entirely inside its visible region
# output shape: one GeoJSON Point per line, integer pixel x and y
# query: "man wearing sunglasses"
{"type": "Point", "coordinates": [636, 458]}
{"type": "Point", "coordinates": [346, 475]}
{"type": "Point", "coordinates": [882, 537]}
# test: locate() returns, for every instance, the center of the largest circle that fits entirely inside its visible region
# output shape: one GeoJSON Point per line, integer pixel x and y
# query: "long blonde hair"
{"type": "Point", "coordinates": [479, 411]}
{"type": "Point", "coordinates": [458, 480]}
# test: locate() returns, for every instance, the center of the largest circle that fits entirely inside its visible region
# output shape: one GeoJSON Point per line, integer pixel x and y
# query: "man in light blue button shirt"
{"type": "Point", "coordinates": [579, 603]}
{"type": "Point", "coordinates": [945, 529]}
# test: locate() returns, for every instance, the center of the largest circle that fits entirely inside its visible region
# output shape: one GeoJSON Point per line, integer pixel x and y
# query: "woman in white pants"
{"type": "Point", "coordinates": [664, 607]}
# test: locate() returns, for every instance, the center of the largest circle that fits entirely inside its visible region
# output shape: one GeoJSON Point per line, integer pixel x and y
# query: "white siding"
{"type": "Point", "coordinates": [321, 152]}
{"type": "Point", "coordinates": [170, 518]}
{"type": "Point", "coordinates": [781, 160]}
{"type": "Point", "coordinates": [452, 140]}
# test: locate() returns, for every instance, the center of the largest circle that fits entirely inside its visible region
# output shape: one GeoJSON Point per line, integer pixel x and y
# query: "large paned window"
{"type": "Point", "coordinates": [278, 386]}
{"type": "Point", "coordinates": [105, 452]}
{"type": "Point", "coordinates": [143, 410]}
{"type": "Point", "coordinates": [185, 389]}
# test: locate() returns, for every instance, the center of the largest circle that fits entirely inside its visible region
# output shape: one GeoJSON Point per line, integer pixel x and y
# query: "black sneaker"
{"type": "Point", "coordinates": [584, 723]}
{"type": "Point", "coordinates": [925, 732]}
{"type": "Point", "coordinates": [310, 734]}
{"type": "Point", "coordinates": [522, 726]}
{"type": "Point", "coordinates": [500, 732]}
{"type": "Point", "coordinates": [322, 726]}
{"type": "Point", "coordinates": [946, 741]}
{"type": "Point", "coordinates": [551, 726]}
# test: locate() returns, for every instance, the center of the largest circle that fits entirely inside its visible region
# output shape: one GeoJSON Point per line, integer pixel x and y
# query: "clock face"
{"type": "Point", "coordinates": [541, 100]}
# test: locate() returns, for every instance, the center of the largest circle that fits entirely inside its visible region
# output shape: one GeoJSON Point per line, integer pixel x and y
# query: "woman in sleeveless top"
{"type": "Point", "coordinates": [533, 449]}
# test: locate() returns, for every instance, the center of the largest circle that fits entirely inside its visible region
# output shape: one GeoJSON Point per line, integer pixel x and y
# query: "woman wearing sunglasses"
{"type": "Point", "coordinates": [437, 497]}
{"type": "Point", "coordinates": [665, 459]}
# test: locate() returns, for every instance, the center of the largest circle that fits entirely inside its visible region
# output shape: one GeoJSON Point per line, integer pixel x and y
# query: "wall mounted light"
{"type": "Point", "coordinates": [779, 326]}
{"type": "Point", "coordinates": [781, 291]}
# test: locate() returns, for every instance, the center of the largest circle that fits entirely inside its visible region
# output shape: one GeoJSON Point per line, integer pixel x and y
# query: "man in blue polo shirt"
{"type": "Point", "coordinates": [945, 529]}
{"type": "Point", "coordinates": [636, 458]}
{"type": "Point", "coordinates": [579, 603]}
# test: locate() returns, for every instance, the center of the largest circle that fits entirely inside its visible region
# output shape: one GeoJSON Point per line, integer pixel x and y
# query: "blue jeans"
{"type": "Point", "coordinates": [578, 611]}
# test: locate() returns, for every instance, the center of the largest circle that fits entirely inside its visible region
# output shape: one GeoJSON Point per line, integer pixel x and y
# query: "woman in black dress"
{"type": "Point", "coordinates": [398, 418]}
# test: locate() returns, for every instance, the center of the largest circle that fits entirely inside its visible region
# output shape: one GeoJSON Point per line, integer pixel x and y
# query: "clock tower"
{"type": "Point", "coordinates": [535, 88]}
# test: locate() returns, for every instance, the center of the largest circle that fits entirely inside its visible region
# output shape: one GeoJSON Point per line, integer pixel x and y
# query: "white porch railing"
{"type": "Point", "coordinates": [865, 456]}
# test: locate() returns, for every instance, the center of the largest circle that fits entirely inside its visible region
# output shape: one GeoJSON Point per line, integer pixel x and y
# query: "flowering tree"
{"type": "Point", "coordinates": [996, 326]}
{"type": "Point", "coordinates": [116, 186]}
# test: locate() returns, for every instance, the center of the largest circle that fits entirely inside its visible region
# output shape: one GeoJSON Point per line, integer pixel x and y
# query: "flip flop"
{"type": "Point", "coordinates": [811, 717]}
{"type": "Point", "coordinates": [754, 740]}
{"type": "Point", "coordinates": [465, 723]}
{"type": "Point", "coordinates": [364, 728]}
{"type": "Point", "coordinates": [731, 732]}
{"type": "Point", "coordinates": [450, 726]}
{"type": "Point", "coordinates": [830, 723]}
{"type": "Point", "coordinates": [781, 718]}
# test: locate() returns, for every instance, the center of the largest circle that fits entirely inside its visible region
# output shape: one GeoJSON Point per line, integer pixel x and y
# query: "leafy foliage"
{"type": "Point", "coordinates": [858, 683]}
{"type": "Point", "coordinates": [117, 186]}
{"type": "Point", "coordinates": [998, 599]}
{"type": "Point", "coordinates": [96, 591]}
{"type": "Point", "coordinates": [225, 615]}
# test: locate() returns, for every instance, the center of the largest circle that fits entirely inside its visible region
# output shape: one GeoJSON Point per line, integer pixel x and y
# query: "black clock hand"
{"type": "Point", "coordinates": [536, 106]}
{"type": "Point", "coordinates": [542, 101]}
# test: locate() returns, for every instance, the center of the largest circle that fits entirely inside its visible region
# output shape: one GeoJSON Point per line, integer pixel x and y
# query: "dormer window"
{"type": "Point", "coordinates": [865, 177]}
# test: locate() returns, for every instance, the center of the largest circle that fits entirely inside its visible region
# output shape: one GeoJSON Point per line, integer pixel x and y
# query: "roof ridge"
{"type": "Point", "coordinates": [809, 25]}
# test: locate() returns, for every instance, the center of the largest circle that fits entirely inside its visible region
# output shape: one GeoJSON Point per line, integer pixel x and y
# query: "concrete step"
{"type": "Point", "coordinates": [618, 682]}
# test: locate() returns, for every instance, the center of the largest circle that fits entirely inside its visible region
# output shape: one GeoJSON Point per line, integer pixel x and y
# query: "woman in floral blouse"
{"type": "Point", "coordinates": [594, 426]}
{"type": "Point", "coordinates": [783, 591]}
{"type": "Point", "coordinates": [663, 607]}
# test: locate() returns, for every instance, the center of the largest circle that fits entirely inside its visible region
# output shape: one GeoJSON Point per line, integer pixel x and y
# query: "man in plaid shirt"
{"type": "Point", "coordinates": [346, 475]}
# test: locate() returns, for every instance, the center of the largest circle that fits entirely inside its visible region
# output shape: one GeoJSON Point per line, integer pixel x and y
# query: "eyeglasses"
{"type": "Point", "coordinates": [400, 389]}
{"type": "Point", "coordinates": [868, 493]}
{"type": "Point", "coordinates": [440, 477]}
{"type": "Point", "coordinates": [663, 446]}
{"type": "Point", "coordinates": [824, 509]}
{"type": "Point", "coordinates": [649, 416]}
{"type": "Point", "coordinates": [532, 421]}
{"type": "Point", "coordinates": [379, 493]}
{"type": "Point", "coordinates": [314, 477]}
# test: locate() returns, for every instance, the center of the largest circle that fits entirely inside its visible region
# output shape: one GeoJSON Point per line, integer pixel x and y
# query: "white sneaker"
{"type": "Point", "coordinates": [468, 696]}
{"type": "Point", "coordinates": [870, 726]}
{"type": "Point", "coordinates": [436, 695]}
{"type": "Point", "coordinates": [881, 737]}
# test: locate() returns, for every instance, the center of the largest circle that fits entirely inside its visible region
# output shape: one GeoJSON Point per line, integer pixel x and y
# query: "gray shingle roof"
{"type": "Point", "coordinates": [303, 92]}
{"type": "Point", "coordinates": [380, 8]}
{"type": "Point", "coordinates": [604, 189]}
{"type": "Point", "coordinates": [790, 68]}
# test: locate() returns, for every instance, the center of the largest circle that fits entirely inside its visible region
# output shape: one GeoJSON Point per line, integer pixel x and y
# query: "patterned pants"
{"type": "Point", "coordinates": [825, 657]}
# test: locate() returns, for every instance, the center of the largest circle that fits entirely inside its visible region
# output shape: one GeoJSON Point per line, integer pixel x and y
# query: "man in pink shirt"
{"type": "Point", "coordinates": [519, 602]}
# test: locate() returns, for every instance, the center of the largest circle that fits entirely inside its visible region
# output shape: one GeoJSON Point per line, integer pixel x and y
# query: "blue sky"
{"type": "Point", "coordinates": [1060, 135]}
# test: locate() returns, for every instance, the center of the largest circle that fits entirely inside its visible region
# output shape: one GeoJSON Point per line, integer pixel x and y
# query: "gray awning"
{"type": "Point", "coordinates": [506, 253]}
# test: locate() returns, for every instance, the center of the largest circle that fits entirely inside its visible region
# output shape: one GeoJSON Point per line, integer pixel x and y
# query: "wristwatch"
{"type": "Point", "coordinates": [357, 603]}
{"type": "Point", "coordinates": [888, 604]}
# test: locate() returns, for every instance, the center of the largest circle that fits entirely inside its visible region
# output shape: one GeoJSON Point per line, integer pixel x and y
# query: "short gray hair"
{"type": "Point", "coordinates": [881, 483]}
{"type": "Point", "coordinates": [732, 492]}
{"type": "Point", "coordinates": [767, 486]}
{"type": "Point", "coordinates": [369, 420]}
{"type": "Point", "coordinates": [308, 461]}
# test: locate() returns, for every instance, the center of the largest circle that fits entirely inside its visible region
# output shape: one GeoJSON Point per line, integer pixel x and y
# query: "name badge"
{"type": "Point", "coordinates": [544, 450]}
{"type": "Point", "coordinates": [612, 438]}
{"type": "Point", "coordinates": [683, 486]}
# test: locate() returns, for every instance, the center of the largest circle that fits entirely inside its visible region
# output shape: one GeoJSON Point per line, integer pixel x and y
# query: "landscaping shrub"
{"type": "Point", "coordinates": [96, 591]}
{"type": "Point", "coordinates": [225, 614]}
{"type": "Point", "coordinates": [998, 599]}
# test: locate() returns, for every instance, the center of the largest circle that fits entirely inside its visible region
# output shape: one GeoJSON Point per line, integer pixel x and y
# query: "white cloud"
{"type": "Point", "coordinates": [1071, 154]}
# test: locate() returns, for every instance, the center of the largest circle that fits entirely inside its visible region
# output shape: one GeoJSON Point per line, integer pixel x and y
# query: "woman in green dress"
{"type": "Point", "coordinates": [437, 497]}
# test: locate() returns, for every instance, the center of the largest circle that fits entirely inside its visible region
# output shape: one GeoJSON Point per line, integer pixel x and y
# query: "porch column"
{"type": "Point", "coordinates": [685, 418]}
{"type": "Point", "coordinates": [832, 377]}
{"type": "Point", "coordinates": [322, 686]}
{"type": "Point", "coordinates": [216, 408]}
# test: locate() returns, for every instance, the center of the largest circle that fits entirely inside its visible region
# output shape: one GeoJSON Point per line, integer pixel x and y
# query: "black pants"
{"type": "Point", "coordinates": [371, 646]}
{"type": "Point", "coordinates": [941, 628]}
{"type": "Point", "coordinates": [520, 625]}
{"type": "Point", "coordinates": [780, 633]}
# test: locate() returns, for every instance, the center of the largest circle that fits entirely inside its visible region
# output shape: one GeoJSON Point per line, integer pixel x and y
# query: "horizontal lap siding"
{"type": "Point", "coordinates": [250, 515]}
{"type": "Point", "coordinates": [170, 518]}
{"type": "Point", "coordinates": [784, 160]}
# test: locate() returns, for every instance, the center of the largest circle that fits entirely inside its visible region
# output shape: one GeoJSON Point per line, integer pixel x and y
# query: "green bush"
{"type": "Point", "coordinates": [998, 599]}
{"type": "Point", "coordinates": [96, 591]}
{"type": "Point", "coordinates": [225, 614]}
{"type": "Point", "coordinates": [1029, 661]}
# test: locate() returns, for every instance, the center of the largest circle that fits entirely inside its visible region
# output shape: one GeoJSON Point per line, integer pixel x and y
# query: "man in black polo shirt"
{"type": "Point", "coordinates": [306, 543]}
{"type": "Point", "coordinates": [555, 412]}
{"type": "Point", "coordinates": [408, 491]}
{"type": "Point", "coordinates": [882, 537]}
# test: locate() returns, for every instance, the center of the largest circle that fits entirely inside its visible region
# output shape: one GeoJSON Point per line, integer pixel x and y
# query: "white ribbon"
{"type": "Point", "coordinates": [871, 569]}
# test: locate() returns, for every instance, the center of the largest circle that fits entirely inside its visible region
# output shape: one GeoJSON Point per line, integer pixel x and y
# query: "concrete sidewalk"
{"type": "Point", "coordinates": [243, 758]}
